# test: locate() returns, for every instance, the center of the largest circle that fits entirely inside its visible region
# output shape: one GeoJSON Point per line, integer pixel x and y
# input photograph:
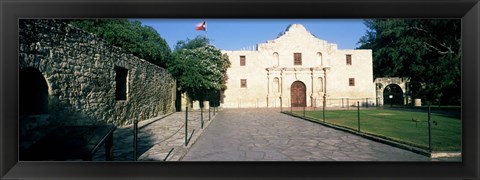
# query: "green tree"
{"type": "Point", "coordinates": [141, 41]}
{"type": "Point", "coordinates": [200, 69]}
{"type": "Point", "coordinates": [428, 51]}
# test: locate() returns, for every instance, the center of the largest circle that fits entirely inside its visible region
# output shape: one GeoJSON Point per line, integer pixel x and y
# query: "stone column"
{"type": "Point", "coordinates": [281, 86]}
{"type": "Point", "coordinates": [268, 87]}
{"type": "Point", "coordinates": [380, 96]}
{"type": "Point", "coordinates": [325, 87]}
{"type": "Point", "coordinates": [313, 90]}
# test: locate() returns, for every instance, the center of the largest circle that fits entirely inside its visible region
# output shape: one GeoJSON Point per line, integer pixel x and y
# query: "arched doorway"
{"type": "Point", "coordinates": [298, 93]}
{"type": "Point", "coordinates": [393, 95]}
{"type": "Point", "coordinates": [400, 90]}
{"type": "Point", "coordinates": [33, 92]}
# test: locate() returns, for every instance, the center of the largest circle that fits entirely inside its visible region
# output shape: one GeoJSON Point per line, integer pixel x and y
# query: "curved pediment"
{"type": "Point", "coordinates": [295, 30]}
{"type": "Point", "coordinates": [297, 37]}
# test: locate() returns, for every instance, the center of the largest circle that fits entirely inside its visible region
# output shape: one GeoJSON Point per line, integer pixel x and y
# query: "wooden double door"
{"type": "Point", "coordinates": [298, 95]}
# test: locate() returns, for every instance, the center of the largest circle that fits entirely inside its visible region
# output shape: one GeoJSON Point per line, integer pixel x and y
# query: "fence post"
{"type": "Point", "coordinates": [358, 110]}
{"type": "Point", "coordinates": [366, 102]}
{"type": "Point", "coordinates": [209, 111]}
{"type": "Point", "coordinates": [323, 113]}
{"type": "Point", "coordinates": [342, 104]}
{"type": "Point", "coordinates": [186, 126]}
{"type": "Point", "coordinates": [348, 103]}
{"type": "Point", "coordinates": [304, 110]}
{"type": "Point", "coordinates": [135, 136]}
{"type": "Point", "coordinates": [429, 130]}
{"type": "Point", "coordinates": [298, 102]}
{"type": "Point", "coordinates": [201, 117]}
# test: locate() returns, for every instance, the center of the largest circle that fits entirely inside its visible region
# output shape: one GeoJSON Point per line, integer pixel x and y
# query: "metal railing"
{"type": "Point", "coordinates": [414, 126]}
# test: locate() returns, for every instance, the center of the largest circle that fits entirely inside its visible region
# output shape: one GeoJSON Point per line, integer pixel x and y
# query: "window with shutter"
{"type": "Point", "coordinates": [351, 81]}
{"type": "Point", "coordinates": [297, 58]}
{"type": "Point", "coordinates": [349, 59]}
{"type": "Point", "coordinates": [243, 83]}
{"type": "Point", "coordinates": [242, 60]}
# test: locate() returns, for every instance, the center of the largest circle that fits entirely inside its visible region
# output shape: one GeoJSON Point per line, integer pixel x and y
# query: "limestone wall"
{"type": "Point", "coordinates": [270, 72]}
{"type": "Point", "coordinates": [79, 69]}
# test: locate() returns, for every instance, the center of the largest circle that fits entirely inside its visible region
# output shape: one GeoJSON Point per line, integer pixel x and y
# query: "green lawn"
{"type": "Point", "coordinates": [402, 126]}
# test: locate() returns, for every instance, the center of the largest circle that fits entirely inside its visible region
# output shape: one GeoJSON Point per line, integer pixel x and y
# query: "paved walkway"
{"type": "Point", "coordinates": [267, 135]}
{"type": "Point", "coordinates": [159, 139]}
{"type": "Point", "coordinates": [247, 135]}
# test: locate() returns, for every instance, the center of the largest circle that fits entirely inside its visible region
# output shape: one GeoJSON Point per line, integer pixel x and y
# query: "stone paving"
{"type": "Point", "coordinates": [247, 135]}
{"type": "Point", "coordinates": [267, 135]}
{"type": "Point", "coordinates": [157, 137]}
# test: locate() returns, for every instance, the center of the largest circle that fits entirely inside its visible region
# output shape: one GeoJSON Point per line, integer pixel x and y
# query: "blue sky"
{"type": "Point", "coordinates": [237, 34]}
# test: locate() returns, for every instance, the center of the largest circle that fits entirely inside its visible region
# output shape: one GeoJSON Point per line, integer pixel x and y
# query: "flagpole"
{"type": "Point", "coordinates": [206, 28]}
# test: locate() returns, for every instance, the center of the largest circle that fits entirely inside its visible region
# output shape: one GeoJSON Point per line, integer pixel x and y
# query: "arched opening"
{"type": "Point", "coordinates": [320, 58]}
{"type": "Point", "coordinates": [298, 92]}
{"type": "Point", "coordinates": [33, 92]}
{"type": "Point", "coordinates": [392, 95]}
{"type": "Point", "coordinates": [320, 84]}
{"type": "Point", "coordinates": [276, 85]}
{"type": "Point", "coordinates": [277, 59]}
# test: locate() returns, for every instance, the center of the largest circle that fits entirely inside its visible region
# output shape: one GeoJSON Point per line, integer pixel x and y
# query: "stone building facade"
{"type": "Point", "coordinates": [71, 77]}
{"type": "Point", "coordinates": [297, 69]}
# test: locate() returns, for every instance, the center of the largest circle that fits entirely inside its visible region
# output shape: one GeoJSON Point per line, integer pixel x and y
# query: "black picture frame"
{"type": "Point", "coordinates": [11, 11]}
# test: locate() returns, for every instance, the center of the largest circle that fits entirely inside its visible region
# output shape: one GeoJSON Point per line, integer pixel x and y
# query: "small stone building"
{"type": "Point", "coordinates": [70, 77]}
{"type": "Point", "coordinates": [298, 69]}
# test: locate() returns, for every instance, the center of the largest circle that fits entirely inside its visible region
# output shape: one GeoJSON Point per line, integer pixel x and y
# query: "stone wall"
{"type": "Point", "coordinates": [80, 71]}
{"type": "Point", "coordinates": [383, 82]}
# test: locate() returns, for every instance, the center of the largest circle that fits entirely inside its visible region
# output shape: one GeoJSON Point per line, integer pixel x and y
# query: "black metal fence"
{"type": "Point", "coordinates": [422, 127]}
{"type": "Point", "coordinates": [213, 109]}
{"type": "Point", "coordinates": [188, 121]}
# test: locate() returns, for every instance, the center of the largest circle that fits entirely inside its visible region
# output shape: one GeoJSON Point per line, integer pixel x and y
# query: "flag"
{"type": "Point", "coordinates": [201, 26]}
